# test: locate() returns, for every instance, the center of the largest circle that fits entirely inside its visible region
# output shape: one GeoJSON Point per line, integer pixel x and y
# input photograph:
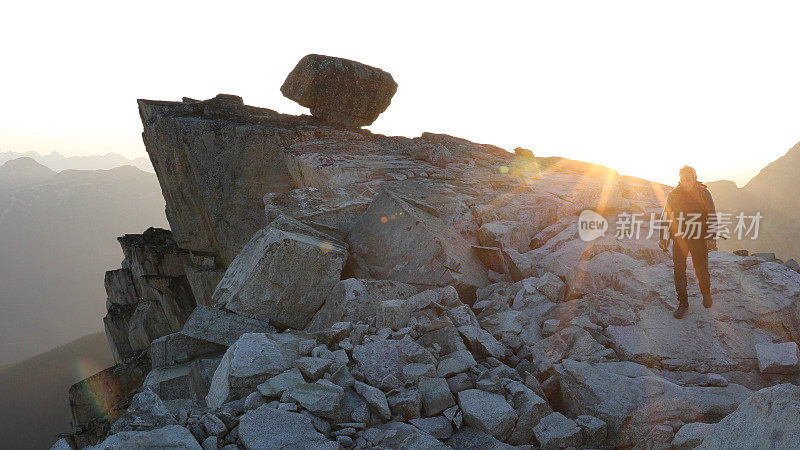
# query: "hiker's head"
{"type": "Point", "coordinates": [688, 177]}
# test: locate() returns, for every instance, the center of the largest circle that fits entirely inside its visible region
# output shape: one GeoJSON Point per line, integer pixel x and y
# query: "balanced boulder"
{"type": "Point", "coordinates": [339, 90]}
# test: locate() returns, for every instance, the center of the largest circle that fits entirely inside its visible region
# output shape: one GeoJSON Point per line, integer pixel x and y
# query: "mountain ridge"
{"type": "Point", "coordinates": [58, 162]}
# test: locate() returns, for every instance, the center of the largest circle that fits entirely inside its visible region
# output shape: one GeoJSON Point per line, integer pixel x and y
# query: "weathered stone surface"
{"type": "Point", "coordinates": [380, 358]}
{"type": "Point", "coordinates": [322, 397]}
{"type": "Point", "coordinates": [213, 425]}
{"type": "Point", "coordinates": [386, 244]}
{"type": "Point", "coordinates": [150, 296]}
{"type": "Point", "coordinates": [403, 435]}
{"type": "Point", "coordinates": [550, 285]}
{"type": "Point", "coordinates": [414, 371]}
{"type": "Point", "coordinates": [169, 437]}
{"type": "Point", "coordinates": [632, 400]}
{"type": "Point", "coordinates": [406, 403]}
{"type": "Point", "coordinates": [146, 412]}
{"type": "Point", "coordinates": [530, 409]}
{"type": "Point", "coordinates": [61, 444]}
{"type": "Point", "coordinates": [97, 401]}
{"type": "Point", "coordinates": [556, 431]}
{"type": "Point", "coordinates": [204, 280]}
{"type": "Point", "coordinates": [246, 364]}
{"type": "Point", "coordinates": [691, 435]}
{"type": "Point", "coordinates": [120, 287]}
{"type": "Point", "coordinates": [395, 314]}
{"type": "Point", "coordinates": [436, 396]}
{"type": "Point", "coordinates": [182, 381]}
{"type": "Point", "coordinates": [571, 342]}
{"type": "Point", "coordinates": [487, 412]}
{"type": "Point", "coordinates": [147, 323]}
{"type": "Point", "coordinates": [354, 300]}
{"type": "Point", "coordinates": [767, 419]}
{"type": "Point", "coordinates": [277, 385]}
{"type": "Point", "coordinates": [491, 257]}
{"type": "Point", "coordinates": [178, 348]}
{"type": "Point", "coordinates": [267, 427]}
{"type": "Point", "coordinates": [778, 358]}
{"type": "Point", "coordinates": [472, 439]}
{"type": "Point", "coordinates": [505, 235]}
{"type": "Point", "coordinates": [438, 427]}
{"type": "Point", "coordinates": [210, 443]}
{"type": "Point", "coordinates": [455, 363]}
{"type": "Point", "coordinates": [221, 327]}
{"type": "Point", "coordinates": [375, 397]}
{"type": "Point", "coordinates": [263, 282]}
{"type": "Point", "coordinates": [312, 367]}
{"type": "Point", "coordinates": [481, 342]}
{"type": "Point", "coordinates": [593, 429]}
{"type": "Point", "coordinates": [339, 90]}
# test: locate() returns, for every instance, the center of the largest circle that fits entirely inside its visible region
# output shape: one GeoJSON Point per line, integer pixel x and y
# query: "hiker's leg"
{"type": "Point", "coordinates": [700, 261]}
{"type": "Point", "coordinates": [679, 252]}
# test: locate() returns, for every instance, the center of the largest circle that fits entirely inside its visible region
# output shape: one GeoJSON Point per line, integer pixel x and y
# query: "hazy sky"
{"type": "Point", "coordinates": [642, 87]}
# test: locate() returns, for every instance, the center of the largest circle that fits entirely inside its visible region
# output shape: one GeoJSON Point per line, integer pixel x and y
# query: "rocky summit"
{"type": "Point", "coordinates": [326, 287]}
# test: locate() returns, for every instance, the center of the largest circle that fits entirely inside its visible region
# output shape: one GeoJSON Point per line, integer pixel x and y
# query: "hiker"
{"type": "Point", "coordinates": [690, 217]}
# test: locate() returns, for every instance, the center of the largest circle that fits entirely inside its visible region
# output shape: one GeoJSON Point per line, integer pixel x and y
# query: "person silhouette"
{"type": "Point", "coordinates": [690, 214]}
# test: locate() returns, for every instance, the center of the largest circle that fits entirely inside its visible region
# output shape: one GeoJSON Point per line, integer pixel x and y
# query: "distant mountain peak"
{"type": "Point", "coordinates": [22, 172]}
{"type": "Point", "coordinates": [58, 162]}
{"type": "Point", "coordinates": [24, 163]}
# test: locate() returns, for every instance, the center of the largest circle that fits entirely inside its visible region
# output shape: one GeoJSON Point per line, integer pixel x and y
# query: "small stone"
{"type": "Point", "coordinates": [288, 406]}
{"type": "Point", "coordinates": [436, 396]}
{"type": "Point", "coordinates": [460, 382]}
{"type": "Point", "coordinates": [213, 425]}
{"type": "Point", "coordinates": [322, 351]}
{"type": "Point", "coordinates": [406, 404]}
{"type": "Point", "coordinates": [312, 367]}
{"type": "Point", "coordinates": [322, 397]}
{"type": "Point", "coordinates": [389, 382]}
{"type": "Point", "coordinates": [346, 431]}
{"type": "Point", "coordinates": [451, 366]}
{"type": "Point", "coordinates": [283, 382]}
{"type": "Point", "coordinates": [384, 332]}
{"type": "Point", "coordinates": [254, 400]}
{"type": "Point", "coordinates": [594, 430]}
{"type": "Point", "coordinates": [438, 427]}
{"type": "Point", "coordinates": [778, 358]}
{"type": "Point", "coordinates": [344, 441]}
{"type": "Point", "coordinates": [450, 412]}
{"type": "Point", "coordinates": [660, 436]}
{"type": "Point", "coordinates": [556, 431]}
{"type": "Point", "coordinates": [210, 443]}
{"type": "Point", "coordinates": [343, 378]}
{"type": "Point", "coordinates": [715, 379]}
{"type": "Point", "coordinates": [304, 346]}
{"type": "Point", "coordinates": [487, 412]}
{"type": "Point", "coordinates": [414, 371]}
{"type": "Point", "coordinates": [769, 257]}
{"type": "Point", "coordinates": [530, 409]}
{"type": "Point", "coordinates": [375, 397]}
{"type": "Point", "coordinates": [691, 435]}
{"type": "Point", "coordinates": [550, 326]}
{"type": "Point", "coordinates": [490, 383]}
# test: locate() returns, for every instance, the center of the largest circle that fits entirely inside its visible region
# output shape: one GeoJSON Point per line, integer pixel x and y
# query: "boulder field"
{"type": "Point", "coordinates": [326, 287]}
